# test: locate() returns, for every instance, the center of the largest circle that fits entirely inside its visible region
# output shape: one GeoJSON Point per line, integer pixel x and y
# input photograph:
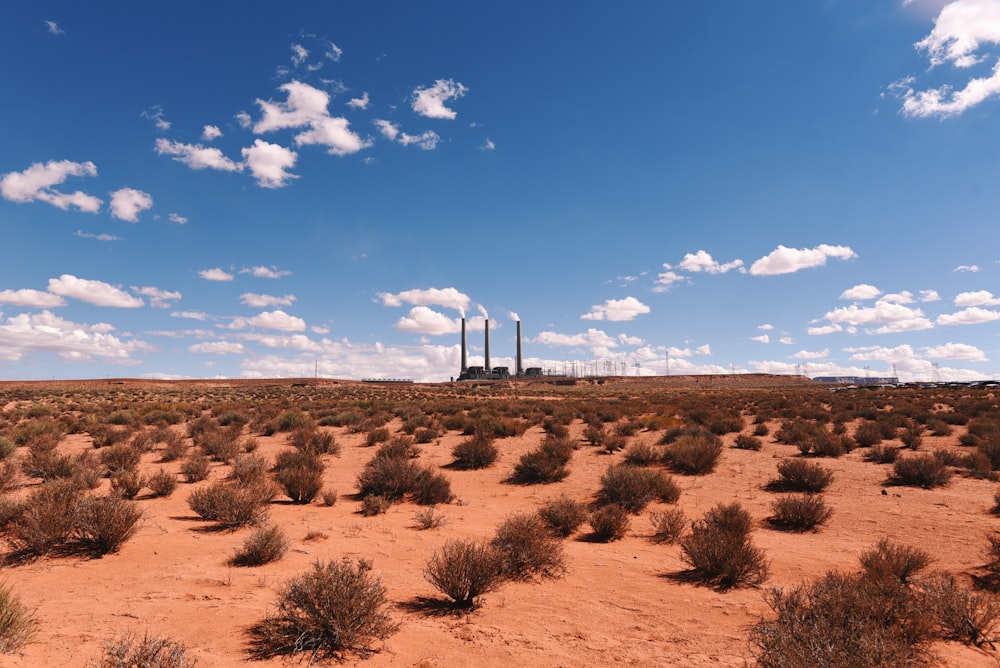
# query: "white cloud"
{"type": "Point", "coordinates": [970, 316]}
{"type": "Point", "coordinates": [45, 332]}
{"type": "Point", "coordinates": [197, 156]}
{"type": "Point", "coordinates": [427, 140]}
{"type": "Point", "coordinates": [388, 129]}
{"type": "Point", "coordinates": [334, 52]}
{"type": "Point", "coordinates": [216, 274]}
{"type": "Point", "coordinates": [824, 329]}
{"type": "Point", "coordinates": [177, 218]}
{"type": "Point", "coordinates": [784, 260]}
{"type": "Point", "coordinates": [812, 355]}
{"type": "Point", "coordinates": [266, 272]}
{"type": "Point", "coordinates": [971, 268]}
{"type": "Point", "coordinates": [292, 342]}
{"type": "Point", "coordinates": [424, 320]}
{"type": "Point", "coordinates": [666, 280]}
{"type": "Point", "coordinates": [488, 145]}
{"type": "Point", "coordinates": [929, 296]}
{"type": "Point", "coordinates": [243, 119]}
{"type": "Point", "coordinates": [430, 101]}
{"type": "Point", "coordinates": [265, 301]}
{"type": "Point", "coordinates": [37, 181]}
{"type": "Point", "coordinates": [447, 297]}
{"type": "Point", "coordinates": [977, 298]}
{"type": "Point", "coordinates": [278, 320]}
{"type": "Point", "coordinates": [861, 292]}
{"type": "Point", "coordinates": [703, 261]}
{"type": "Point", "coordinates": [882, 354]}
{"type": "Point", "coordinates": [218, 348]}
{"type": "Point", "coordinates": [955, 351]}
{"type": "Point", "coordinates": [190, 315]}
{"type": "Point", "coordinates": [99, 237]}
{"type": "Point", "coordinates": [268, 163]}
{"type": "Point", "coordinates": [891, 316]}
{"type": "Point", "coordinates": [766, 327]}
{"type": "Point", "coordinates": [763, 338]}
{"type": "Point", "coordinates": [155, 114]}
{"type": "Point", "coordinates": [335, 135]}
{"type": "Point", "coordinates": [617, 310]}
{"type": "Point", "coordinates": [359, 102]}
{"type": "Point", "coordinates": [786, 340]}
{"type": "Point", "coordinates": [97, 293]}
{"type": "Point", "coordinates": [592, 338]}
{"type": "Point", "coordinates": [157, 298]}
{"type": "Point", "coordinates": [128, 203]}
{"type": "Point", "coordinates": [304, 105]}
{"type": "Point", "coordinates": [210, 133]}
{"type": "Point", "coordinates": [54, 28]}
{"type": "Point", "coordinates": [904, 297]}
{"type": "Point", "coordinates": [31, 298]}
{"type": "Point", "coordinates": [299, 54]}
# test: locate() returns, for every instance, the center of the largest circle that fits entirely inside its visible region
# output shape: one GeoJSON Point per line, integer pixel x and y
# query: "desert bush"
{"type": "Point", "coordinates": [964, 615]}
{"type": "Point", "coordinates": [335, 609]}
{"type": "Point", "coordinates": [797, 430]}
{"type": "Point", "coordinates": [939, 427]}
{"type": "Point", "coordinates": [545, 464]}
{"type": "Point", "coordinates": [127, 483]}
{"type": "Point", "coordinates": [293, 419]}
{"type": "Point", "coordinates": [668, 525]}
{"type": "Point", "coordinates": [264, 545]}
{"type": "Point", "coordinates": [7, 447]}
{"type": "Point", "coordinates": [526, 549]}
{"type": "Point", "coordinates": [949, 457]}
{"type": "Point", "coordinates": [45, 461]}
{"type": "Point", "coordinates": [105, 436]}
{"type": "Point", "coordinates": [248, 469]}
{"type": "Point", "coordinates": [231, 506]}
{"type": "Point", "coordinates": [595, 434]}
{"type": "Point", "coordinates": [563, 515]}
{"type": "Point", "coordinates": [376, 436]}
{"type": "Point", "coordinates": [46, 519]}
{"type": "Point", "coordinates": [399, 446]}
{"type": "Point", "coordinates": [978, 464]}
{"type": "Point", "coordinates": [826, 444]}
{"type": "Point", "coordinates": [867, 434]}
{"type": "Point", "coordinates": [922, 470]}
{"type": "Point", "coordinates": [329, 497]}
{"type": "Point", "coordinates": [464, 570]}
{"type": "Point", "coordinates": [220, 445]}
{"type": "Point", "coordinates": [431, 487]}
{"type": "Point", "coordinates": [841, 620]}
{"type": "Point", "coordinates": [719, 549]}
{"type": "Point", "coordinates": [890, 560]}
{"type": "Point", "coordinates": [761, 430]}
{"type": "Point", "coordinates": [315, 442]}
{"type": "Point", "coordinates": [609, 523]}
{"type": "Point", "coordinates": [747, 442]}
{"type": "Point", "coordinates": [162, 483]}
{"type": "Point", "coordinates": [882, 453]}
{"type": "Point", "coordinates": [641, 454]}
{"type": "Point", "coordinates": [300, 473]}
{"type": "Point", "coordinates": [87, 470]}
{"type": "Point", "coordinates": [429, 518]}
{"type": "Point", "coordinates": [28, 431]}
{"type": "Point", "coordinates": [695, 452]}
{"type": "Point", "coordinates": [17, 621]}
{"type": "Point", "coordinates": [477, 452]}
{"type": "Point", "coordinates": [173, 446]}
{"type": "Point", "coordinates": [389, 477]}
{"type": "Point", "coordinates": [799, 512]}
{"type": "Point", "coordinates": [10, 475]}
{"type": "Point", "coordinates": [374, 504]}
{"type": "Point", "coordinates": [104, 523]}
{"type": "Point", "coordinates": [912, 435]}
{"type": "Point", "coordinates": [195, 467]}
{"type": "Point", "coordinates": [424, 434]}
{"type": "Point", "coordinates": [634, 487]}
{"type": "Point", "coordinates": [799, 475]}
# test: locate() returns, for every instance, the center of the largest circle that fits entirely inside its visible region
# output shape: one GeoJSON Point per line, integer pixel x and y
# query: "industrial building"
{"type": "Point", "coordinates": [488, 372]}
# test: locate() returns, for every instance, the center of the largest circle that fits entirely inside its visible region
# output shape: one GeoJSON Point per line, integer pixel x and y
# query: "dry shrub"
{"type": "Point", "coordinates": [399, 446]}
{"type": "Point", "coordinates": [389, 477]}
{"type": "Point", "coordinates": [882, 453]}
{"type": "Point", "coordinates": [7, 447]}
{"type": "Point", "coordinates": [329, 497]}
{"type": "Point", "coordinates": [173, 445]}
{"type": "Point", "coordinates": [748, 442]}
{"type": "Point", "coordinates": [120, 457]}
{"type": "Point", "coordinates": [195, 467]}
{"type": "Point", "coordinates": [923, 470]}
{"type": "Point", "coordinates": [890, 560]}
{"type": "Point", "coordinates": [634, 487]}
{"type": "Point", "coordinates": [127, 483]}
{"type": "Point", "coordinates": [912, 435]}
{"type": "Point", "coordinates": [248, 469]}
{"type": "Point", "coordinates": [477, 452]}
{"type": "Point", "coordinates": [293, 419]}
{"type": "Point", "coordinates": [799, 512]}
{"type": "Point", "coordinates": [373, 504]}
{"type": "Point", "coordinates": [695, 452]}
{"type": "Point", "coordinates": [464, 570]}
{"type": "Point", "coordinates": [867, 434]}
{"type": "Point", "coordinates": [300, 473]}
{"type": "Point", "coordinates": [17, 622]}
{"type": "Point", "coordinates": [964, 615]}
{"type": "Point", "coordinates": [614, 442]}
{"type": "Point", "coordinates": [231, 506]}
{"type": "Point", "coordinates": [316, 442]}
{"type": "Point", "coordinates": [668, 525]}
{"type": "Point", "coordinates": [719, 550]}
{"type": "Point", "coordinates": [45, 461]}
{"type": "Point", "coordinates": [47, 518]}
{"type": "Point", "coordinates": [429, 518]}
{"type": "Point", "coordinates": [424, 434]}
{"type": "Point", "coordinates": [799, 475]}
{"type": "Point", "coordinates": [761, 430]}
{"type": "Point", "coordinates": [547, 463]}
{"type": "Point", "coordinates": [10, 475]}
{"type": "Point", "coordinates": [527, 549]}
{"type": "Point", "coordinates": [642, 454]}
{"type": "Point", "coordinates": [431, 487]}
{"type": "Point", "coordinates": [335, 609]}
{"type": "Point", "coordinates": [221, 445]}
{"type": "Point", "coordinates": [162, 483]}
{"type": "Point", "coordinates": [128, 651]}
{"type": "Point", "coordinates": [264, 545]}
{"type": "Point", "coordinates": [609, 523]}
{"type": "Point", "coordinates": [563, 515]}
{"type": "Point", "coordinates": [595, 434]}
{"type": "Point", "coordinates": [376, 436]}
{"type": "Point", "coordinates": [104, 523]}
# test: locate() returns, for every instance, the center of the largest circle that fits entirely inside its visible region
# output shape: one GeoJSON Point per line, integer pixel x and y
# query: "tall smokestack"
{"type": "Point", "coordinates": [517, 364]}
{"type": "Point", "coordinates": [487, 367]}
{"type": "Point", "coordinates": [465, 361]}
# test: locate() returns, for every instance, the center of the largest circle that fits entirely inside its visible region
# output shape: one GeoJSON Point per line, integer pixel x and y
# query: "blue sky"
{"type": "Point", "coordinates": [247, 190]}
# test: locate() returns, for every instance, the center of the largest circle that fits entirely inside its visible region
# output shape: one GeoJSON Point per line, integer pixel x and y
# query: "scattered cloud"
{"type": "Point", "coordinates": [430, 101]}
{"type": "Point", "coordinates": [266, 272]}
{"type": "Point", "coordinates": [197, 156]}
{"type": "Point", "coordinates": [970, 316]}
{"type": "Point", "coordinates": [446, 297]}
{"type": "Point", "coordinates": [333, 52]}
{"type": "Point", "coordinates": [335, 134]}
{"type": "Point", "coordinates": [702, 261]}
{"type": "Point", "coordinates": [265, 301]}
{"type": "Point", "coordinates": [210, 133]}
{"type": "Point", "coordinates": [488, 145]}
{"type": "Point", "coordinates": [766, 327]}
{"type": "Point", "coordinates": [784, 260]}
{"type": "Point", "coordinates": [31, 298]}
{"type": "Point", "coordinates": [428, 140]}
{"type": "Point", "coordinates": [929, 296]}
{"type": "Point", "coordinates": [763, 338]}
{"type": "Point", "coordinates": [177, 218]}
{"type": "Point", "coordinates": [54, 28]}
{"type": "Point", "coordinates": [617, 310]}
{"type": "Point", "coordinates": [216, 274]}
{"type": "Point", "coordinates": [359, 102]}
{"type": "Point", "coordinates": [307, 106]}
{"type": "Point", "coordinates": [190, 315]}
{"type": "Point", "coordinates": [667, 279]}
{"type": "Point", "coordinates": [299, 54]}
{"type": "Point", "coordinates": [97, 293]}
{"type": "Point", "coordinates": [971, 268]}
{"type": "Point", "coordinates": [881, 353]}
{"type": "Point", "coordinates": [243, 119]}
{"type": "Point", "coordinates": [786, 340]}
{"type": "Point", "coordinates": [157, 298]}
{"type": "Point", "coordinates": [861, 292]}
{"type": "Point", "coordinates": [812, 355]}
{"type": "Point", "coordinates": [155, 114]}
{"type": "Point", "coordinates": [218, 348]}
{"type": "Point", "coordinates": [37, 181]}
{"type": "Point", "coordinates": [268, 163]}
{"type": "Point", "coordinates": [128, 203]}
{"type": "Point", "coordinates": [72, 341]}
{"type": "Point", "coordinates": [977, 298]}
{"type": "Point", "coordinates": [892, 317]}
{"type": "Point", "coordinates": [424, 320]}
{"type": "Point", "coordinates": [278, 320]}
{"type": "Point", "coordinates": [824, 329]}
{"type": "Point", "coordinates": [955, 351]}
{"type": "Point", "coordinates": [98, 237]}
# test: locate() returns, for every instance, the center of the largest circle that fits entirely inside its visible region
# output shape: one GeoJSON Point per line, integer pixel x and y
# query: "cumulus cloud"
{"type": "Point", "coordinates": [447, 297]}
{"type": "Point", "coordinates": [812, 354]}
{"type": "Point", "coordinates": [892, 317]}
{"type": "Point", "coordinates": [881, 353]}
{"type": "Point", "coordinates": [428, 140]}
{"type": "Point", "coordinates": [31, 298]}
{"type": "Point", "coordinates": [197, 156]}
{"type": "Point", "coordinates": [702, 261]}
{"type": "Point", "coordinates": [216, 274]}
{"type": "Point", "coordinates": [861, 292]}
{"type": "Point", "coordinates": [243, 119]}
{"type": "Point", "coordinates": [278, 320]}
{"type": "Point", "coordinates": [786, 340]}
{"type": "Point", "coordinates": [359, 102]}
{"type": "Point", "coordinates": [977, 298]}
{"type": "Point", "coordinates": [970, 316]}
{"type": "Point", "coordinates": [335, 134]}
{"type": "Point", "coordinates": [763, 338]}
{"type": "Point", "coordinates": [821, 330]}
{"type": "Point", "coordinates": [955, 351]}
{"type": "Point", "coordinates": [784, 260]}
{"type": "Point", "coordinates": [218, 348]}
{"type": "Point", "coordinates": [210, 133]}
{"type": "Point", "coordinates": [45, 332]}
{"type": "Point", "coordinates": [265, 301]}
{"type": "Point", "coordinates": [97, 293]}
{"type": "Point", "coordinates": [929, 296]}
{"type": "Point", "coordinates": [157, 298]}
{"type": "Point", "coordinates": [37, 181]}
{"type": "Point", "coordinates": [766, 327]}
{"type": "Point", "coordinates": [269, 163]}
{"type": "Point", "coordinates": [667, 279]}
{"type": "Point", "coordinates": [307, 106]}
{"type": "Point", "coordinates": [592, 338]}
{"type": "Point", "coordinates": [424, 320]}
{"type": "Point", "coordinates": [266, 272]}
{"type": "Point", "coordinates": [128, 203]}
{"type": "Point", "coordinates": [617, 310]}
{"type": "Point", "coordinates": [430, 101]}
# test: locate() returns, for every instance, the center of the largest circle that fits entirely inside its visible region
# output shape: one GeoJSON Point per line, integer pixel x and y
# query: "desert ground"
{"type": "Point", "coordinates": [623, 602]}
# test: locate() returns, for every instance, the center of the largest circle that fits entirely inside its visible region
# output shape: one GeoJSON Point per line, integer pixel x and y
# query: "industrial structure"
{"type": "Point", "coordinates": [489, 372]}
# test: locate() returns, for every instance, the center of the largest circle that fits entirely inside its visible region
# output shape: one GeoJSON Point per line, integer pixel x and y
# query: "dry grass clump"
{"type": "Point", "coordinates": [890, 560]}
{"type": "Point", "coordinates": [668, 525]}
{"type": "Point", "coordinates": [266, 544]}
{"type": "Point", "coordinates": [867, 434]}
{"type": "Point", "coordinates": [195, 467]}
{"type": "Point", "coordinates": [477, 452]}
{"type": "Point", "coordinates": [970, 617]}
{"type": "Point", "coordinates": [642, 454]}
{"type": "Point", "coordinates": [429, 518]}
{"type": "Point", "coordinates": [526, 549]}
{"type": "Point", "coordinates": [464, 570]}
{"type": "Point", "coordinates": [300, 473]}
{"type": "Point", "coordinates": [547, 463]}
{"type": "Point", "coordinates": [231, 506]}
{"type": "Point", "coordinates": [922, 470]}
{"type": "Point", "coordinates": [46, 519]}
{"type": "Point", "coordinates": [104, 523]}
{"type": "Point", "coordinates": [634, 487]}
{"type": "Point", "coordinates": [563, 515]}
{"type": "Point", "coordinates": [17, 622]}
{"type": "Point", "coordinates": [882, 453]}
{"type": "Point", "coordinates": [799, 512]}
{"type": "Point", "coordinates": [129, 651]}
{"type": "Point", "coordinates": [695, 452]}
{"type": "Point", "coordinates": [335, 609]}
{"type": "Point", "coordinates": [719, 550]}
{"type": "Point", "coordinates": [373, 504]}
{"type": "Point", "coordinates": [800, 475]}
{"type": "Point", "coordinates": [162, 483]}
{"type": "Point", "coordinates": [609, 523]}
{"type": "Point", "coordinates": [748, 442]}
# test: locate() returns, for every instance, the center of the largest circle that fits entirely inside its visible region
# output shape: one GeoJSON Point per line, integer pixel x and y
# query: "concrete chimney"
{"type": "Point", "coordinates": [517, 364]}
{"type": "Point", "coordinates": [487, 365]}
{"type": "Point", "coordinates": [465, 360]}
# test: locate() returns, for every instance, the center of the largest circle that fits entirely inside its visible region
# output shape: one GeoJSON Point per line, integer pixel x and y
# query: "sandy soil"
{"type": "Point", "coordinates": [617, 605]}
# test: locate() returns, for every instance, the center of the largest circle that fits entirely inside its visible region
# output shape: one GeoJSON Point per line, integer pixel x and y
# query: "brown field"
{"type": "Point", "coordinates": [627, 602]}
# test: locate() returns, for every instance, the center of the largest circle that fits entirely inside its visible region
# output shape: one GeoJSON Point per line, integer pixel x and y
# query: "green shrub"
{"type": "Point", "coordinates": [336, 609]}
{"type": "Point", "coordinates": [564, 515]}
{"type": "Point", "coordinates": [799, 512]}
{"type": "Point", "coordinates": [526, 549]}
{"type": "Point", "coordinates": [477, 452]}
{"type": "Point", "coordinates": [695, 452]}
{"type": "Point", "coordinates": [266, 544]}
{"type": "Point", "coordinates": [634, 487]}
{"type": "Point", "coordinates": [464, 570]}
{"type": "Point", "coordinates": [546, 464]}
{"type": "Point", "coordinates": [719, 550]}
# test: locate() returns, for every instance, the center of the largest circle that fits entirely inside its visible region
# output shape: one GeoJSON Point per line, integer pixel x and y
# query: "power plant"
{"type": "Point", "coordinates": [488, 372]}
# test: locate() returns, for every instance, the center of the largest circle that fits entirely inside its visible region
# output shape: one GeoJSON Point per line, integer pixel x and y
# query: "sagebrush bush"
{"type": "Point", "coordinates": [526, 549]}
{"type": "Point", "coordinates": [695, 452]}
{"type": "Point", "coordinates": [162, 483]}
{"type": "Point", "coordinates": [336, 609]}
{"type": "Point", "coordinates": [890, 560]}
{"type": "Point", "coordinates": [477, 452]}
{"type": "Point", "coordinates": [719, 549]}
{"type": "Point", "coordinates": [264, 545]}
{"type": "Point", "coordinates": [376, 436]}
{"type": "Point", "coordinates": [882, 453]}
{"type": "Point", "coordinates": [195, 467]}
{"type": "Point", "coordinates": [609, 523]}
{"type": "Point", "coordinates": [47, 518]}
{"type": "Point", "coordinates": [922, 470]}
{"type": "Point", "coordinates": [748, 442]}
{"type": "Point", "coordinates": [912, 435]}
{"type": "Point", "coordinates": [545, 464]}
{"type": "Point", "coordinates": [231, 505]}
{"type": "Point", "coordinates": [431, 487]}
{"type": "Point", "coordinates": [429, 518]}
{"type": "Point", "coordinates": [642, 454]}
{"type": "Point", "coordinates": [800, 475]}
{"type": "Point", "coordinates": [17, 621]}
{"type": "Point", "coordinates": [970, 617]}
{"type": "Point", "coordinates": [399, 446]}
{"type": "Point", "coordinates": [867, 434]}
{"type": "Point", "coordinates": [127, 483]}
{"type": "Point", "coordinates": [799, 512]}
{"type": "Point", "coordinates": [373, 504]}
{"type": "Point", "coordinates": [668, 525]}
{"type": "Point", "coordinates": [634, 487]}
{"type": "Point", "coordinates": [248, 469]}
{"type": "Point", "coordinates": [563, 515]}
{"type": "Point", "coordinates": [300, 473]}
{"type": "Point", "coordinates": [464, 570]}
{"type": "Point", "coordinates": [391, 478]}
{"type": "Point", "coordinates": [104, 523]}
